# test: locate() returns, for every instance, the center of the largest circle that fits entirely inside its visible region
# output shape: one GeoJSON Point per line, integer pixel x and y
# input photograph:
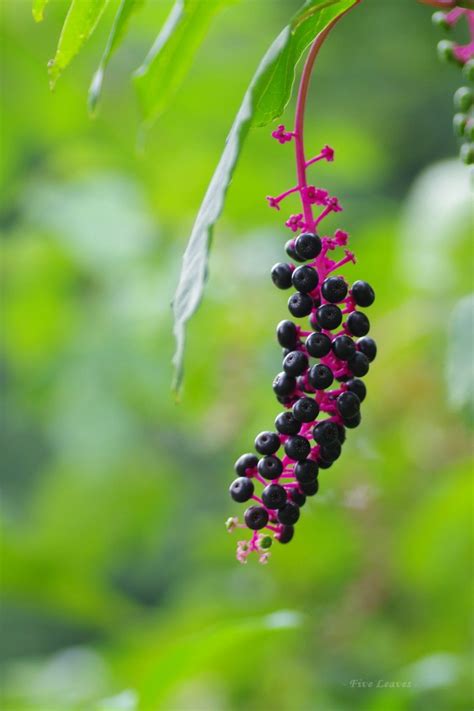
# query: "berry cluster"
{"type": "Point", "coordinates": [463, 56]}
{"type": "Point", "coordinates": [320, 383]}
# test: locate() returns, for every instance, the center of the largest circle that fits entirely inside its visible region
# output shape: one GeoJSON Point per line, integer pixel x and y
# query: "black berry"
{"type": "Point", "coordinates": [318, 345]}
{"type": "Point", "coordinates": [343, 347]}
{"type": "Point", "coordinates": [287, 334]}
{"type": "Point", "coordinates": [325, 433]}
{"type": "Point", "coordinates": [305, 279]}
{"type": "Point", "coordinates": [306, 471]}
{"type": "Point", "coordinates": [358, 323]}
{"type": "Point", "coordinates": [313, 319]}
{"type": "Point", "coordinates": [290, 249]}
{"type": "Point", "coordinates": [331, 452]}
{"type": "Point", "coordinates": [348, 404]}
{"type": "Point", "coordinates": [245, 463]}
{"type": "Point", "coordinates": [334, 289]}
{"type": "Point", "coordinates": [359, 364]}
{"type": "Point", "coordinates": [308, 245]}
{"type": "Point", "coordinates": [270, 467]}
{"type": "Point", "coordinates": [341, 434]}
{"type": "Point", "coordinates": [306, 409]}
{"type": "Point", "coordinates": [310, 488]}
{"type": "Point", "coordinates": [274, 496]}
{"type": "Point", "coordinates": [300, 305]}
{"type": "Point", "coordinates": [289, 514]}
{"type": "Point", "coordinates": [287, 424]}
{"type": "Point", "coordinates": [320, 376]}
{"type": "Point", "coordinates": [285, 535]}
{"type": "Point", "coordinates": [284, 384]}
{"type": "Point", "coordinates": [267, 443]}
{"type": "Point", "coordinates": [358, 387]}
{"type": "Point", "coordinates": [296, 497]}
{"type": "Point", "coordinates": [354, 421]}
{"type": "Point", "coordinates": [281, 275]}
{"type": "Point", "coordinates": [256, 517]}
{"type": "Point", "coordinates": [295, 363]}
{"type": "Point", "coordinates": [362, 293]}
{"type": "Point", "coordinates": [329, 316]}
{"type": "Point", "coordinates": [368, 347]}
{"type": "Point", "coordinates": [297, 448]}
{"type": "Point", "coordinates": [241, 489]}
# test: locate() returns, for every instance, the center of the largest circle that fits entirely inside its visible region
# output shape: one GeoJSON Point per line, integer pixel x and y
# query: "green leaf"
{"type": "Point", "coordinates": [119, 27]}
{"type": "Point", "coordinates": [38, 9]}
{"type": "Point", "coordinates": [460, 361]}
{"type": "Point", "coordinates": [172, 53]}
{"type": "Point", "coordinates": [81, 20]}
{"type": "Point", "coordinates": [265, 99]}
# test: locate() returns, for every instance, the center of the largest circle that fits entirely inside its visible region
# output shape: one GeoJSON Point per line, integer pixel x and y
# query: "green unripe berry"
{"type": "Point", "coordinates": [445, 51]}
{"type": "Point", "coordinates": [468, 70]}
{"type": "Point", "coordinates": [467, 153]}
{"type": "Point", "coordinates": [265, 542]}
{"type": "Point", "coordinates": [463, 99]}
{"type": "Point", "coordinates": [459, 124]}
{"type": "Point", "coordinates": [439, 20]}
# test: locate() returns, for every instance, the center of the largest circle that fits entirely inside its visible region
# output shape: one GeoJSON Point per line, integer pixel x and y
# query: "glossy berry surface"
{"type": "Point", "coordinates": [325, 433]}
{"type": "Point", "coordinates": [295, 363]}
{"type": "Point", "coordinates": [241, 489]}
{"type": "Point", "coordinates": [343, 347]}
{"type": "Point", "coordinates": [287, 424]}
{"type": "Point", "coordinates": [297, 448]}
{"type": "Point", "coordinates": [358, 324]}
{"type": "Point", "coordinates": [245, 464]}
{"type": "Point", "coordinates": [329, 317]}
{"type": "Point", "coordinates": [320, 376]}
{"type": "Point", "coordinates": [348, 404]}
{"type": "Point", "coordinates": [310, 488]}
{"type": "Point", "coordinates": [270, 467]}
{"type": "Point", "coordinates": [281, 275]}
{"type": "Point", "coordinates": [287, 334]}
{"type": "Point", "coordinates": [285, 534]}
{"type": "Point", "coordinates": [357, 386]}
{"type": "Point", "coordinates": [256, 517]}
{"type": "Point", "coordinates": [289, 514]}
{"type": "Point", "coordinates": [300, 304]}
{"type": "Point", "coordinates": [267, 443]}
{"type": "Point", "coordinates": [308, 245]}
{"type": "Point", "coordinates": [274, 496]}
{"type": "Point", "coordinates": [334, 289]}
{"type": "Point", "coordinates": [318, 345]}
{"type": "Point", "coordinates": [368, 347]}
{"type": "Point", "coordinates": [290, 249]}
{"type": "Point", "coordinates": [305, 279]}
{"type": "Point", "coordinates": [359, 365]}
{"type": "Point", "coordinates": [306, 471]}
{"type": "Point", "coordinates": [284, 384]}
{"type": "Point", "coordinates": [362, 293]}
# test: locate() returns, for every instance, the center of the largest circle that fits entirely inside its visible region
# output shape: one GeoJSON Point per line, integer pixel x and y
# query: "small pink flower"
{"type": "Point", "coordinates": [316, 196]}
{"type": "Point", "coordinates": [333, 204]}
{"type": "Point", "coordinates": [328, 153]}
{"type": "Point", "coordinates": [273, 202]}
{"type": "Point", "coordinates": [341, 238]}
{"type": "Point", "coordinates": [295, 222]}
{"type": "Point", "coordinates": [281, 134]}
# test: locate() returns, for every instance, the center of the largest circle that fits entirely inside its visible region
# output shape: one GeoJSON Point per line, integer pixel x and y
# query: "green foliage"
{"type": "Point", "coordinates": [460, 365]}
{"type": "Point", "coordinates": [38, 9]}
{"type": "Point", "coordinates": [265, 99]}
{"type": "Point", "coordinates": [81, 20]}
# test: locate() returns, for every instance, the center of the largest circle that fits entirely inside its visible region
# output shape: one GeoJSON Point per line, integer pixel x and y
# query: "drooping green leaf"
{"type": "Point", "coordinates": [38, 9]}
{"type": "Point", "coordinates": [81, 20]}
{"type": "Point", "coordinates": [265, 99]}
{"type": "Point", "coordinates": [460, 361]}
{"type": "Point", "coordinates": [119, 27]}
{"type": "Point", "coordinates": [172, 54]}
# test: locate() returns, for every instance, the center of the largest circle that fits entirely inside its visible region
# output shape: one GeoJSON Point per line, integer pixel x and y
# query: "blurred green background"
{"type": "Point", "coordinates": [121, 591]}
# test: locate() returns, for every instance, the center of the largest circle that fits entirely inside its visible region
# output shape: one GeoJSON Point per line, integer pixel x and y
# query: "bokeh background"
{"type": "Point", "coordinates": [120, 587]}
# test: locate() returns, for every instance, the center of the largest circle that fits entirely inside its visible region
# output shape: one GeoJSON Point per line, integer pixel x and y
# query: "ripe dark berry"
{"type": "Point", "coordinates": [324, 463]}
{"type": "Point", "coordinates": [301, 384]}
{"type": "Point", "coordinates": [320, 376]}
{"type": "Point", "coordinates": [267, 443]}
{"type": "Point", "coordinates": [289, 514]}
{"type": "Point", "coordinates": [285, 535]}
{"type": "Point", "coordinates": [284, 384]}
{"type": "Point", "coordinates": [296, 497]}
{"type": "Point", "coordinates": [358, 387]}
{"type": "Point", "coordinates": [297, 448]}
{"type": "Point", "coordinates": [358, 323]}
{"type": "Point", "coordinates": [241, 489]}
{"type": "Point", "coordinates": [290, 249]}
{"type": "Point", "coordinates": [331, 452]}
{"type": "Point", "coordinates": [287, 424]}
{"type": "Point", "coordinates": [343, 347]}
{"type": "Point", "coordinates": [274, 496]}
{"type": "Point", "coordinates": [306, 409]}
{"type": "Point", "coordinates": [270, 467]}
{"type": "Point", "coordinates": [306, 471]}
{"type": "Point", "coordinates": [358, 364]}
{"type": "Point", "coordinates": [334, 289]}
{"type": "Point", "coordinates": [305, 279]}
{"type": "Point", "coordinates": [362, 293]}
{"type": "Point", "coordinates": [318, 345]}
{"type": "Point", "coordinates": [325, 433]}
{"type": "Point", "coordinates": [287, 334]}
{"type": "Point", "coordinates": [256, 517]}
{"type": "Point", "coordinates": [245, 463]}
{"type": "Point", "coordinates": [310, 488]}
{"type": "Point", "coordinates": [281, 275]}
{"type": "Point", "coordinates": [341, 434]}
{"type": "Point", "coordinates": [348, 404]}
{"type": "Point", "coordinates": [352, 422]}
{"type": "Point", "coordinates": [313, 320]}
{"type": "Point", "coordinates": [329, 316]}
{"type": "Point", "coordinates": [300, 305]}
{"type": "Point", "coordinates": [368, 347]}
{"type": "Point", "coordinates": [295, 363]}
{"type": "Point", "coordinates": [308, 245]}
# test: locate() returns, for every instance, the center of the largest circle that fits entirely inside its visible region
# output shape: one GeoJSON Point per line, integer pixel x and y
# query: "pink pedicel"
{"type": "Point", "coordinates": [316, 206]}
